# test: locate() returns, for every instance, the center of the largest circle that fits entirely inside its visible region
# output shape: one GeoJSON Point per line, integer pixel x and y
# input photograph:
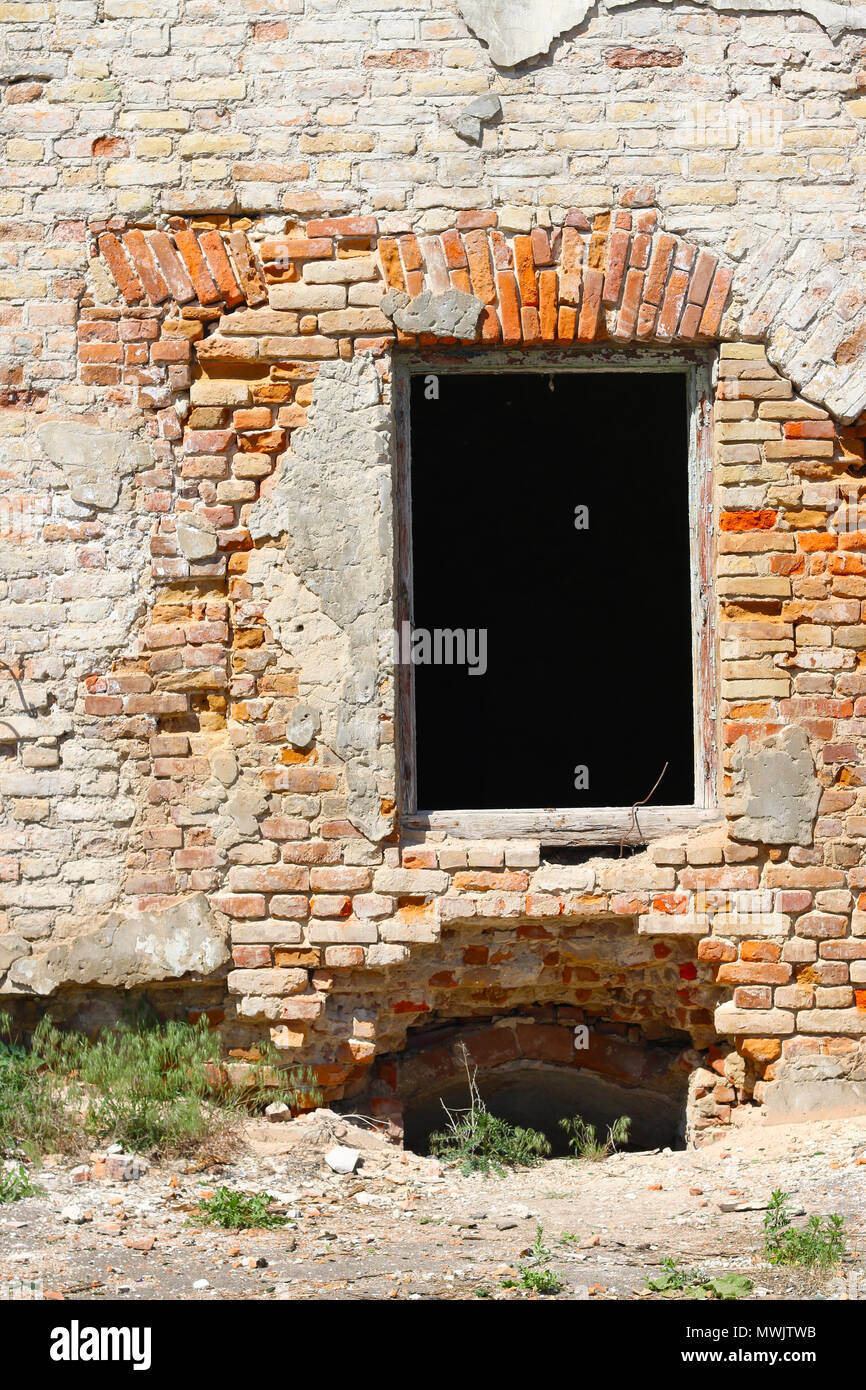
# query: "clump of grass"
{"type": "Point", "coordinates": [15, 1184]}
{"type": "Point", "coordinates": [585, 1141]}
{"type": "Point", "coordinates": [38, 1092]}
{"type": "Point", "coordinates": [483, 1143]}
{"type": "Point", "coordinates": [819, 1244]}
{"type": "Point", "coordinates": [240, 1211]}
{"type": "Point", "coordinates": [147, 1085]}
{"type": "Point", "coordinates": [534, 1276]}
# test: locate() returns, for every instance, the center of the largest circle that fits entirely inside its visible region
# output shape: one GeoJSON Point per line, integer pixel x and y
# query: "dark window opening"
{"type": "Point", "coordinates": [586, 690]}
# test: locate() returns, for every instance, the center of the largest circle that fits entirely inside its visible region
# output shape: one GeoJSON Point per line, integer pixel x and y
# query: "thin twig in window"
{"type": "Point", "coordinates": [634, 810]}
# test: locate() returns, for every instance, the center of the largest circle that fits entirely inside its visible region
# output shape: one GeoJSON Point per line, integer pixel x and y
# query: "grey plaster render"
{"type": "Point", "coordinates": [12, 948]}
{"type": "Point", "coordinates": [778, 787]}
{"type": "Point", "coordinates": [95, 461]}
{"type": "Point", "coordinates": [332, 503]}
{"type": "Point", "coordinates": [470, 121]}
{"type": "Point", "coordinates": [197, 539]}
{"type": "Point", "coordinates": [447, 314]}
{"type": "Point", "coordinates": [303, 725]}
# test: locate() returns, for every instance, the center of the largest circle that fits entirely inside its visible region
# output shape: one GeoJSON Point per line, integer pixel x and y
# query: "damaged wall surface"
{"type": "Point", "coordinates": [208, 281]}
{"type": "Point", "coordinates": [515, 30]}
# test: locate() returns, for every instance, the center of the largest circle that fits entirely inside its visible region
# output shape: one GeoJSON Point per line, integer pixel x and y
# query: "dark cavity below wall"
{"type": "Point", "coordinates": [538, 1096]}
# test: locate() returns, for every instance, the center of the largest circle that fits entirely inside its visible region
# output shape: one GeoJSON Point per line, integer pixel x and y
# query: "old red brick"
{"type": "Point", "coordinates": [480, 269]}
{"type": "Point", "coordinates": [211, 244]}
{"type": "Point", "coordinates": [205, 286]}
{"type": "Point", "coordinates": [524, 265]}
{"type": "Point", "coordinates": [124, 276]}
{"type": "Point", "coordinates": [547, 283]}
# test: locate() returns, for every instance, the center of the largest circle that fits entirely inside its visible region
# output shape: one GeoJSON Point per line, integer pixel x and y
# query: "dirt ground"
{"type": "Point", "coordinates": [402, 1226]}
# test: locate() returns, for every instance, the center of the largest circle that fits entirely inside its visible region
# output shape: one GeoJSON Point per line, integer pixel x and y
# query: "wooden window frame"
{"type": "Point", "coordinates": [595, 825]}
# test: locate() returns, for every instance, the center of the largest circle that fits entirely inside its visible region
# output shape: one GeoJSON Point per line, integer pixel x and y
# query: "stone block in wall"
{"type": "Point", "coordinates": [776, 1022]}
{"type": "Point", "coordinates": [186, 938]}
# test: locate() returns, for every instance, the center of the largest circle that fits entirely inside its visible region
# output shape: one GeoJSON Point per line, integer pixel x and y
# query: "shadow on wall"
{"type": "Point", "coordinates": [89, 1010]}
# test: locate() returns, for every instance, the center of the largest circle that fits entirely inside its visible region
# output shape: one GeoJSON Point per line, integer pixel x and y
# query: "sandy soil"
{"type": "Point", "coordinates": [403, 1227]}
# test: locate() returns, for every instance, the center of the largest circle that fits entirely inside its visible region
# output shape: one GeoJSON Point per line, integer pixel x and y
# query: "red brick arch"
{"type": "Point", "coordinates": [540, 1038]}
{"type": "Point", "coordinates": [619, 276]}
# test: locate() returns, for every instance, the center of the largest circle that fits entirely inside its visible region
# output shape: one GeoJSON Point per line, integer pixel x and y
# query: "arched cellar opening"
{"type": "Point", "coordinates": [536, 1067]}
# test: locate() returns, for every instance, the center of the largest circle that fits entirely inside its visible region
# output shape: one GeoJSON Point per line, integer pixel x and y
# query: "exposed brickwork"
{"type": "Point", "coordinates": [183, 259]}
{"type": "Point", "coordinates": [619, 277]}
{"type": "Point", "coordinates": [324, 918]}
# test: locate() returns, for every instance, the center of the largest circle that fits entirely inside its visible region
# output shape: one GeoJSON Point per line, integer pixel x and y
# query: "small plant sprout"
{"type": "Point", "coordinates": [534, 1275]}
{"type": "Point", "coordinates": [585, 1142]}
{"type": "Point", "coordinates": [15, 1183]}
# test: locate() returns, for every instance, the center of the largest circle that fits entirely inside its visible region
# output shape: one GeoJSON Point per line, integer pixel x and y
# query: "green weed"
{"type": "Point", "coordinates": [147, 1085]}
{"type": "Point", "coordinates": [676, 1279]}
{"type": "Point", "coordinates": [239, 1211]}
{"type": "Point", "coordinates": [819, 1244]}
{"type": "Point", "coordinates": [584, 1139]}
{"type": "Point", "coordinates": [483, 1143]}
{"type": "Point", "coordinates": [15, 1184]}
{"type": "Point", "coordinates": [534, 1276]}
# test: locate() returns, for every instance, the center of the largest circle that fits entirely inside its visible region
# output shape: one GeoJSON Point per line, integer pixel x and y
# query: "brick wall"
{"type": "Point", "coordinates": [195, 261]}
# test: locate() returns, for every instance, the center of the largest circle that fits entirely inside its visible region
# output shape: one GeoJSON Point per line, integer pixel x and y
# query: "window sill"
{"type": "Point", "coordinates": [599, 826]}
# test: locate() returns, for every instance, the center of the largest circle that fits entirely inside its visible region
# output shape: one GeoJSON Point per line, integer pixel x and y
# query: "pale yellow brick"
{"type": "Point", "coordinates": [131, 173]}
{"type": "Point", "coordinates": [338, 142]}
{"type": "Point", "coordinates": [26, 14]}
{"type": "Point", "coordinates": [334, 171]}
{"type": "Point", "coordinates": [86, 93]}
{"type": "Point", "coordinates": [153, 147]}
{"type": "Point", "coordinates": [89, 66]}
{"type": "Point", "coordinates": [820, 136]}
{"type": "Point", "coordinates": [703, 194]}
{"type": "Point", "coordinates": [135, 200]}
{"type": "Point", "coordinates": [209, 89]}
{"type": "Point", "coordinates": [132, 9]}
{"type": "Point", "coordinates": [154, 120]}
{"type": "Point", "coordinates": [21, 285]}
{"type": "Point", "coordinates": [209, 170]}
{"type": "Point", "coordinates": [201, 142]}
{"type": "Point", "coordinates": [206, 392]}
{"type": "Point", "coordinates": [744, 352]}
{"type": "Point", "coordinates": [624, 112]}
{"type": "Point", "coordinates": [28, 150]}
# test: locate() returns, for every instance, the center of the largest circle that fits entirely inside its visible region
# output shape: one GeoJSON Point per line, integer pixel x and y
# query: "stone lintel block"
{"type": "Point", "coordinates": [752, 924]}
{"type": "Point", "coordinates": [847, 1021]}
{"type": "Point", "coordinates": [673, 924]}
{"type": "Point", "coordinates": [756, 1022]}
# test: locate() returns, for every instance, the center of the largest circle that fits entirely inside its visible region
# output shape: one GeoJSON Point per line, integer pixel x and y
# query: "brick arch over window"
{"type": "Point", "coordinates": [622, 277]}
{"type": "Point", "coordinates": [619, 277]}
